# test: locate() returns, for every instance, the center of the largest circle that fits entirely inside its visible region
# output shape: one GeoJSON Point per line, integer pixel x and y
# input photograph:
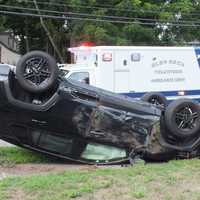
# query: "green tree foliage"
{"type": "Point", "coordinates": [140, 12]}
{"type": "Point", "coordinates": [160, 22]}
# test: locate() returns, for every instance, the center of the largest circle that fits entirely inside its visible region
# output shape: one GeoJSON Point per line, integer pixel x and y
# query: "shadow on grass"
{"type": "Point", "coordinates": [10, 156]}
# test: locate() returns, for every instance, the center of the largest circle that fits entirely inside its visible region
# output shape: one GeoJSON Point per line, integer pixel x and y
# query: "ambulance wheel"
{"type": "Point", "coordinates": [182, 118]}
{"type": "Point", "coordinates": [36, 71]}
{"type": "Point", "coordinates": [155, 98]}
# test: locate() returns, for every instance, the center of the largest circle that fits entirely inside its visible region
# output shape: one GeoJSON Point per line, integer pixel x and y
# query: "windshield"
{"type": "Point", "coordinates": [82, 77]}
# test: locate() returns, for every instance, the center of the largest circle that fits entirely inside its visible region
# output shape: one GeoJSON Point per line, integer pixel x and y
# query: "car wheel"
{"type": "Point", "coordinates": [154, 98]}
{"type": "Point", "coordinates": [36, 71]}
{"type": "Point", "coordinates": [182, 117]}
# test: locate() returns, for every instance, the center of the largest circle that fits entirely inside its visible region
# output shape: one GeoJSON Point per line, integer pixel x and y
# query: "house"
{"type": "Point", "coordinates": [8, 49]}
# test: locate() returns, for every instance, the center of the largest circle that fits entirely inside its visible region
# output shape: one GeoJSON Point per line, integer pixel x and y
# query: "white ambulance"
{"type": "Point", "coordinates": [153, 73]}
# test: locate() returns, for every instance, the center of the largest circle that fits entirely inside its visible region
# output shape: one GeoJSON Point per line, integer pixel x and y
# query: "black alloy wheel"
{"type": "Point", "coordinates": [182, 118]}
{"type": "Point", "coordinates": [185, 118]}
{"type": "Point", "coordinates": [37, 71]}
{"type": "Point", "coordinates": [155, 98]}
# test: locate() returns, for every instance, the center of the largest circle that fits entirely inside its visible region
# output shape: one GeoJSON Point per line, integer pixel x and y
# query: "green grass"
{"type": "Point", "coordinates": [14, 155]}
{"type": "Point", "coordinates": [175, 180]}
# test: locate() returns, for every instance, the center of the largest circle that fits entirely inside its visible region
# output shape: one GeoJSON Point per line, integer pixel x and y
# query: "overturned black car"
{"type": "Point", "coordinates": [43, 111]}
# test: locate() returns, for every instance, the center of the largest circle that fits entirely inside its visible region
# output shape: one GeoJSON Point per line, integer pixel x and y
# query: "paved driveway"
{"type": "Point", "coordinates": [4, 144]}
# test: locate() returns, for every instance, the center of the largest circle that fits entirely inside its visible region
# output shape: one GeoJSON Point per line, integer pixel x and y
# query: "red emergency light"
{"type": "Point", "coordinates": [86, 44]}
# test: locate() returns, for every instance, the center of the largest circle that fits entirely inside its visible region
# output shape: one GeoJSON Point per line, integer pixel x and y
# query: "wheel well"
{"type": "Point", "coordinates": [17, 96]}
{"type": "Point", "coordinates": [20, 94]}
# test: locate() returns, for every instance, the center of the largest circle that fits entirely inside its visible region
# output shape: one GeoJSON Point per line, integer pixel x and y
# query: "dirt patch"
{"type": "Point", "coordinates": [112, 193]}
{"type": "Point", "coordinates": [31, 169]}
{"type": "Point", "coordinates": [17, 195]}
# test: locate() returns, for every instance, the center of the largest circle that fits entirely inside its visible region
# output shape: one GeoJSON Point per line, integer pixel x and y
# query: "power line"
{"type": "Point", "coordinates": [158, 11]}
{"type": "Point", "coordinates": [111, 8]}
{"type": "Point", "coordinates": [92, 19]}
{"type": "Point", "coordinates": [106, 6]}
{"type": "Point", "coordinates": [88, 7]}
{"type": "Point", "coordinates": [96, 5]}
{"type": "Point", "coordinates": [103, 17]}
{"type": "Point", "coordinates": [70, 17]}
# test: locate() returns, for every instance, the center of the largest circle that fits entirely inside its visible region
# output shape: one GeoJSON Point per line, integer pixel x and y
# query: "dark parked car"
{"type": "Point", "coordinates": [42, 111]}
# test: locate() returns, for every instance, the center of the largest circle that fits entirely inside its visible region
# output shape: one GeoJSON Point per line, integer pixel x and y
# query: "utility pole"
{"type": "Point", "coordinates": [27, 35]}
{"type": "Point", "coordinates": [48, 33]}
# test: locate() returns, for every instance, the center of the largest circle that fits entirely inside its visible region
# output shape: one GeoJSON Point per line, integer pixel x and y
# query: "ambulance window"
{"type": "Point", "coordinates": [135, 57]}
{"type": "Point", "coordinates": [80, 76]}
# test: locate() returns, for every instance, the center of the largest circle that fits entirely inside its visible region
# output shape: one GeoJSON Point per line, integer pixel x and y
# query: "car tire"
{"type": "Point", "coordinates": [36, 71]}
{"type": "Point", "coordinates": [155, 98]}
{"type": "Point", "coordinates": [182, 118]}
